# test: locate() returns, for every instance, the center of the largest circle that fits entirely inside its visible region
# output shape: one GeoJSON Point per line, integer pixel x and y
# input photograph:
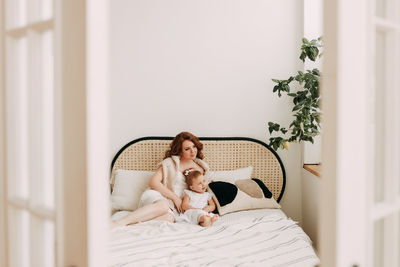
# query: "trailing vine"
{"type": "Point", "coordinates": [306, 100]}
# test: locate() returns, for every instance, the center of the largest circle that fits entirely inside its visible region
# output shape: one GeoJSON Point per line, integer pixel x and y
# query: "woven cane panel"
{"type": "Point", "coordinates": [144, 155]}
{"type": "Point", "coordinates": [219, 154]}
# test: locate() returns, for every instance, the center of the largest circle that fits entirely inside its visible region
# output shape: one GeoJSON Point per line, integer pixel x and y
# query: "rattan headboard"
{"type": "Point", "coordinates": [221, 153]}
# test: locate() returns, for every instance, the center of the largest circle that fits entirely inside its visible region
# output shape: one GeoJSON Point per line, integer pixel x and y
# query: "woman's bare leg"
{"type": "Point", "coordinates": [143, 214]}
{"type": "Point", "coordinates": [165, 217]}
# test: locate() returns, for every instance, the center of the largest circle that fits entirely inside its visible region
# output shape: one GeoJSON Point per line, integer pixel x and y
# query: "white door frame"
{"type": "Point", "coordinates": [83, 82]}
{"type": "Point", "coordinates": [360, 206]}
{"type": "Point", "coordinates": [3, 186]}
{"type": "Point", "coordinates": [70, 136]}
{"type": "Point", "coordinates": [345, 89]}
{"type": "Point", "coordinates": [81, 137]}
{"type": "Point", "coordinates": [98, 157]}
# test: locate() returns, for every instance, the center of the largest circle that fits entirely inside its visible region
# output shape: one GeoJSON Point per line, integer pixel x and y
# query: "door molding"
{"type": "Point", "coordinates": [98, 156]}
{"type": "Point", "coordinates": [343, 215]}
{"type": "Point", "coordinates": [70, 132]}
{"type": "Point", "coordinates": [3, 165]}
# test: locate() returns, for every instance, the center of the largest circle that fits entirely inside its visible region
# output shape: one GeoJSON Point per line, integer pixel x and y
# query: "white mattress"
{"type": "Point", "coordinates": [264, 237]}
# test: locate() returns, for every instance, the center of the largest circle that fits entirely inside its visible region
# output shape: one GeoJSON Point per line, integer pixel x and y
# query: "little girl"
{"type": "Point", "coordinates": [197, 203]}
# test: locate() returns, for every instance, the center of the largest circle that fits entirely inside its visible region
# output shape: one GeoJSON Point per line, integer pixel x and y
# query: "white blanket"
{"type": "Point", "coordinates": [251, 238]}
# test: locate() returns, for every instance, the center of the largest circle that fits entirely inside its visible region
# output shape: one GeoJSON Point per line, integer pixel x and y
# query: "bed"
{"type": "Point", "coordinates": [243, 237]}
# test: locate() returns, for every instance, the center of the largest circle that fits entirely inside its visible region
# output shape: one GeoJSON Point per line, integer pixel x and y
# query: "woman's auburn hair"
{"type": "Point", "coordinates": [175, 148]}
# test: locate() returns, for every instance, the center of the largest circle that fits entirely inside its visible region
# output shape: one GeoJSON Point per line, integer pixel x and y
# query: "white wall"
{"type": "Point", "coordinates": [313, 18]}
{"type": "Point", "coordinates": [310, 205]}
{"type": "Point", "coordinates": [205, 67]}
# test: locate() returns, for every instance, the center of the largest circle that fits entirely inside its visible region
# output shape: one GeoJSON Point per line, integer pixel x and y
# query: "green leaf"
{"type": "Point", "coordinates": [275, 142]}
{"type": "Point", "coordinates": [297, 107]}
{"type": "Point", "coordinates": [315, 72]}
{"type": "Point", "coordinates": [273, 127]}
{"type": "Point", "coordinates": [291, 139]}
{"type": "Point", "coordinates": [306, 99]}
{"type": "Point", "coordinates": [303, 56]}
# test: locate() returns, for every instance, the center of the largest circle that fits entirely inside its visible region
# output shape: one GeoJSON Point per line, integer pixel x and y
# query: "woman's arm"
{"type": "Point", "coordinates": [185, 203]}
{"type": "Point", "coordinates": [211, 206]}
{"type": "Point", "coordinates": [156, 184]}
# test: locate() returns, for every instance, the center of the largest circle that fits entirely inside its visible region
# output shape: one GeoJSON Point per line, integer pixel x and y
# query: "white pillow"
{"type": "Point", "coordinates": [232, 175]}
{"type": "Point", "coordinates": [128, 188]}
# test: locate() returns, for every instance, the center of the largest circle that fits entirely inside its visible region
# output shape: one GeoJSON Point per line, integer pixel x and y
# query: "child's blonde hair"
{"type": "Point", "coordinates": [191, 174]}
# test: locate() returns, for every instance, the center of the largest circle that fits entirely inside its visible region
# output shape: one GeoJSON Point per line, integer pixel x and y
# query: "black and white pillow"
{"type": "Point", "coordinates": [245, 194]}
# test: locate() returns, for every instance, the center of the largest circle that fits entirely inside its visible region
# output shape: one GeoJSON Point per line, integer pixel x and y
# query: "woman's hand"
{"type": "Point", "coordinates": [178, 204]}
{"type": "Point", "coordinates": [156, 184]}
{"type": "Point", "coordinates": [207, 208]}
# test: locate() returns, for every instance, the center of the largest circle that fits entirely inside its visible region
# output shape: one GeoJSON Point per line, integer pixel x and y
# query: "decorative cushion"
{"type": "Point", "coordinates": [224, 192]}
{"type": "Point", "coordinates": [128, 188]}
{"type": "Point", "coordinates": [254, 187]}
{"type": "Point", "coordinates": [231, 175]}
{"type": "Point", "coordinates": [244, 194]}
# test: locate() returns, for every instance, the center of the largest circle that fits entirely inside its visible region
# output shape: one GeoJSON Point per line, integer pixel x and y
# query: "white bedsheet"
{"type": "Point", "coordinates": [247, 238]}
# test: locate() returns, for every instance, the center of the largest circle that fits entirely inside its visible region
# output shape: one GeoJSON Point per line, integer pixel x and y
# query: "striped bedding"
{"type": "Point", "coordinates": [247, 238]}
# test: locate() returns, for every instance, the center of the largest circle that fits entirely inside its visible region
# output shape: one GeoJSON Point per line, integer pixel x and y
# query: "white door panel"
{"type": "Point", "coordinates": [361, 91]}
{"type": "Point", "coordinates": [43, 135]}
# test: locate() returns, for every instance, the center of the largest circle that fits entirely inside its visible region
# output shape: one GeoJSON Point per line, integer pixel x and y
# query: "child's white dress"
{"type": "Point", "coordinates": [198, 201]}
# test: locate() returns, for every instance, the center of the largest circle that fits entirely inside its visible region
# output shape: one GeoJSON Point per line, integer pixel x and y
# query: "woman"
{"type": "Point", "coordinates": [162, 201]}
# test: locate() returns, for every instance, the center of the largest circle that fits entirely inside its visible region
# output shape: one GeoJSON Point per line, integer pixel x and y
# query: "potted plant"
{"type": "Point", "coordinates": [306, 112]}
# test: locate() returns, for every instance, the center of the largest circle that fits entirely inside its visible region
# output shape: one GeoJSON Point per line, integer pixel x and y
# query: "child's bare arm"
{"type": "Point", "coordinates": [185, 203]}
{"type": "Point", "coordinates": [210, 207]}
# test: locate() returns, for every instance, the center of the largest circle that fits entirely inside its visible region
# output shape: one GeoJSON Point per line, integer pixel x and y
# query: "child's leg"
{"type": "Point", "coordinates": [205, 220]}
{"type": "Point", "coordinates": [214, 218]}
